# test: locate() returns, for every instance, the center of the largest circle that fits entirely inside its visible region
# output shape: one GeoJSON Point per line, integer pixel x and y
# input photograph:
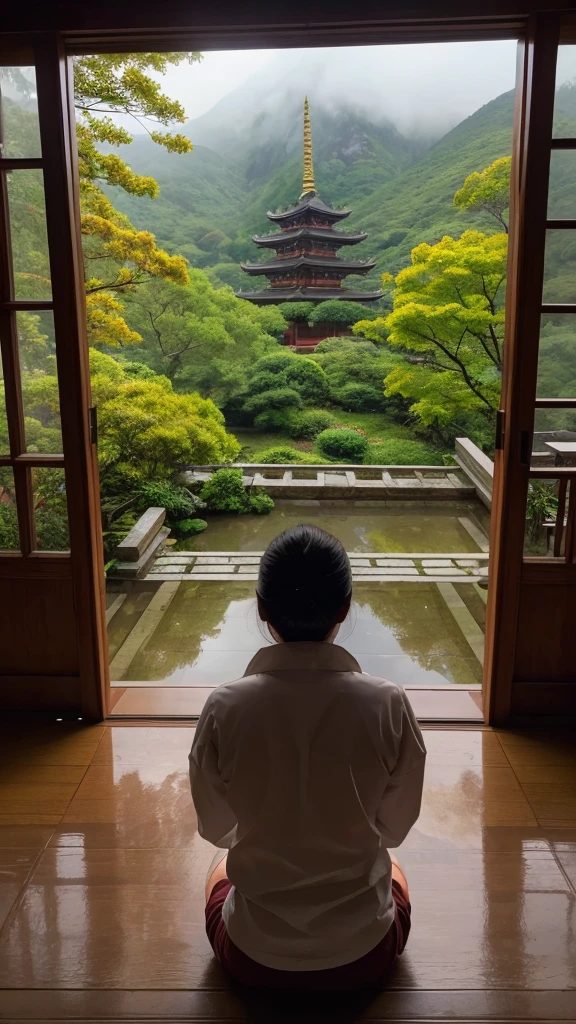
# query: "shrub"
{"type": "Point", "coordinates": [308, 379]}
{"type": "Point", "coordinates": [283, 453]}
{"type": "Point", "coordinates": [541, 504]}
{"type": "Point", "coordinates": [347, 445]}
{"type": "Point", "coordinates": [339, 311]}
{"type": "Point", "coordinates": [342, 343]}
{"type": "Point", "coordinates": [261, 503]}
{"type": "Point", "coordinates": [276, 398]}
{"type": "Point", "coordinates": [274, 420]}
{"type": "Point", "coordinates": [263, 381]}
{"type": "Point", "coordinates": [307, 425]}
{"type": "Point", "coordinates": [274, 363]}
{"type": "Point", "coordinates": [398, 451]}
{"type": "Point", "coordinates": [225, 492]}
{"type": "Point", "coordinates": [188, 526]}
{"type": "Point", "coordinates": [296, 310]}
{"type": "Point", "coordinates": [179, 503]}
{"type": "Point", "coordinates": [358, 397]}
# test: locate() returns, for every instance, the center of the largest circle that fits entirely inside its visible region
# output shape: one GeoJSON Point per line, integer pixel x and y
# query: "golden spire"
{"type": "Point", "coordinates": [308, 176]}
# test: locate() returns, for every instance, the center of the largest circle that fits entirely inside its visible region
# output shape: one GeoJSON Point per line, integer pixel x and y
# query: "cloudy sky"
{"type": "Point", "coordinates": [416, 80]}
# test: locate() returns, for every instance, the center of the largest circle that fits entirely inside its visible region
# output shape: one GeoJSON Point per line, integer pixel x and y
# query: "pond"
{"type": "Point", "coordinates": [404, 632]}
{"type": "Point", "coordinates": [398, 527]}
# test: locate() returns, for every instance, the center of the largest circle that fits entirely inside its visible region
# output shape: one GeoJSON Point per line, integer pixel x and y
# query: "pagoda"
{"type": "Point", "coordinates": [305, 266]}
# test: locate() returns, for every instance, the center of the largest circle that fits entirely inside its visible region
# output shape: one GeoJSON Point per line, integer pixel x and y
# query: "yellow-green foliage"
{"type": "Point", "coordinates": [147, 430]}
{"type": "Point", "coordinates": [448, 311]}
{"type": "Point", "coordinates": [487, 190]}
{"type": "Point", "coordinates": [121, 256]}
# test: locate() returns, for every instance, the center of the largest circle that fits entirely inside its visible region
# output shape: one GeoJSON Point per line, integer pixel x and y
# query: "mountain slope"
{"type": "Point", "coordinates": [417, 206]}
{"type": "Point", "coordinates": [352, 159]}
{"type": "Point", "coordinates": [211, 203]}
{"type": "Point", "coordinates": [199, 191]}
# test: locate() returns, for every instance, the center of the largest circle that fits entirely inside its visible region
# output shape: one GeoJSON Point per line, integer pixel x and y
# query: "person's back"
{"type": "Point", "coordinates": [307, 770]}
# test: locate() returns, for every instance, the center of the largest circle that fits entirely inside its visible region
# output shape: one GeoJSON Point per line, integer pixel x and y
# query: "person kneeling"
{"type": "Point", "coordinates": [307, 770]}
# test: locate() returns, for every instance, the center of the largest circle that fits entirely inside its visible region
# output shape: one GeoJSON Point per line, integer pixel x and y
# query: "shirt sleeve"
{"type": "Point", "coordinates": [400, 806]}
{"type": "Point", "coordinates": [216, 819]}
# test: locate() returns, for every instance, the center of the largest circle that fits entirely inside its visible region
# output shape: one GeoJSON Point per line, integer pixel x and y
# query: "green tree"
{"type": "Point", "coordinates": [355, 369]}
{"type": "Point", "coordinates": [278, 387]}
{"type": "Point", "coordinates": [118, 257]}
{"type": "Point", "coordinates": [340, 311]}
{"type": "Point", "coordinates": [203, 338]}
{"type": "Point", "coordinates": [487, 190]}
{"type": "Point", "coordinates": [147, 430]}
{"type": "Point", "coordinates": [448, 315]}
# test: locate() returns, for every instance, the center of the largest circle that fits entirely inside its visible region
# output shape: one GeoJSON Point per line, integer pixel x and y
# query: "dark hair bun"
{"type": "Point", "coordinates": [305, 580]}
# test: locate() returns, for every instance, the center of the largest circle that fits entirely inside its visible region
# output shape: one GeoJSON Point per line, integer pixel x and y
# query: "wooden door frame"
{"type": "Point", "coordinates": [535, 88]}
{"type": "Point", "coordinates": [57, 133]}
{"type": "Point", "coordinates": [534, 103]}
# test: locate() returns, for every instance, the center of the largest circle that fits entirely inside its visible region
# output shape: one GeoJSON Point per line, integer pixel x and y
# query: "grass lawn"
{"type": "Point", "coordinates": [378, 427]}
{"type": "Point", "coordinates": [255, 441]}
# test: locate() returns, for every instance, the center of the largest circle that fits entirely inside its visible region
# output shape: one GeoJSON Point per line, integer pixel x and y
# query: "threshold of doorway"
{"type": "Point", "coordinates": [149, 700]}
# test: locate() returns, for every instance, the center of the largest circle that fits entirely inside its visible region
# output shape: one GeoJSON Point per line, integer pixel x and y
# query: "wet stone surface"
{"type": "Point", "coordinates": [399, 631]}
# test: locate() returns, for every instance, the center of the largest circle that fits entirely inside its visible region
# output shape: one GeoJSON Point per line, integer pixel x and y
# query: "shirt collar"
{"type": "Point", "coordinates": [304, 655]}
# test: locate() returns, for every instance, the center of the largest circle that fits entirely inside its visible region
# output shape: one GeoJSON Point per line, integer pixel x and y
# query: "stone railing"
{"type": "Point", "coordinates": [335, 482]}
{"type": "Point", "coordinates": [140, 548]}
{"type": "Point", "coordinates": [477, 467]}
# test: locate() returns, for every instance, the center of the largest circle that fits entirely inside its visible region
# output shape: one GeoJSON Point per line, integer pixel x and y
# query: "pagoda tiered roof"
{"type": "Point", "coordinates": [308, 231]}
{"type": "Point", "coordinates": [306, 260]}
{"type": "Point", "coordinates": [303, 294]}
{"type": "Point", "coordinates": [310, 203]}
{"type": "Point", "coordinates": [306, 265]}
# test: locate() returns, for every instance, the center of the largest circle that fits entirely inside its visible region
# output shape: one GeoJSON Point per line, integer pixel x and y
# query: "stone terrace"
{"type": "Point", "coordinates": [366, 568]}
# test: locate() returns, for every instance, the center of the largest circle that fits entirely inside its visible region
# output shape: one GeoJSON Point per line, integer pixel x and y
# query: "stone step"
{"type": "Point", "coordinates": [141, 535]}
{"type": "Point", "coordinates": [134, 570]}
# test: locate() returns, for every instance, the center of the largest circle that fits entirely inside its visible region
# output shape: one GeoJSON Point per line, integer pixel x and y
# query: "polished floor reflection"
{"type": "Point", "coordinates": [102, 873]}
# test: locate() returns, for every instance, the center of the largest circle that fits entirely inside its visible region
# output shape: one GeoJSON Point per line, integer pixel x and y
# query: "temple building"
{"type": "Point", "coordinates": [305, 266]}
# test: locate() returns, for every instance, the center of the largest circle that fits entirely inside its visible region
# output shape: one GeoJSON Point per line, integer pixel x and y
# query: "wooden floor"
{"type": "Point", "coordinates": [102, 874]}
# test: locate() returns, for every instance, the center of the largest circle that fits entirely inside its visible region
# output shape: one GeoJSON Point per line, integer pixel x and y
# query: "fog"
{"type": "Point", "coordinates": [423, 89]}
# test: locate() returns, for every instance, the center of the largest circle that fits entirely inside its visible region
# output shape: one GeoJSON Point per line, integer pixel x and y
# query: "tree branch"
{"type": "Point", "coordinates": [112, 287]}
{"type": "Point", "coordinates": [473, 387]}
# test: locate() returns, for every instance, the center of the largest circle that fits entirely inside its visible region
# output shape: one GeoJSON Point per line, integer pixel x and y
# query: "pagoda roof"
{"type": "Point", "coordinates": [292, 263]}
{"type": "Point", "coordinates": [320, 234]}
{"type": "Point", "coordinates": [312, 202]}
{"type": "Point", "coordinates": [274, 295]}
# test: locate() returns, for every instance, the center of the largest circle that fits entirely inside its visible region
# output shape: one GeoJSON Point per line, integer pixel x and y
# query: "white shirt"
{"type": "Point", "coordinates": [307, 770]}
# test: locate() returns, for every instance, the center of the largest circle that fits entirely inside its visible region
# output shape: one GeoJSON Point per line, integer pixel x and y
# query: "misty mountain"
{"type": "Point", "coordinates": [422, 91]}
{"type": "Point", "coordinates": [399, 191]}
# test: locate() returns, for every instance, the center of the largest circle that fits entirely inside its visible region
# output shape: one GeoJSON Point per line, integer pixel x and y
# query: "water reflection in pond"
{"type": "Point", "coordinates": [403, 632]}
{"type": "Point", "coordinates": [396, 528]}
